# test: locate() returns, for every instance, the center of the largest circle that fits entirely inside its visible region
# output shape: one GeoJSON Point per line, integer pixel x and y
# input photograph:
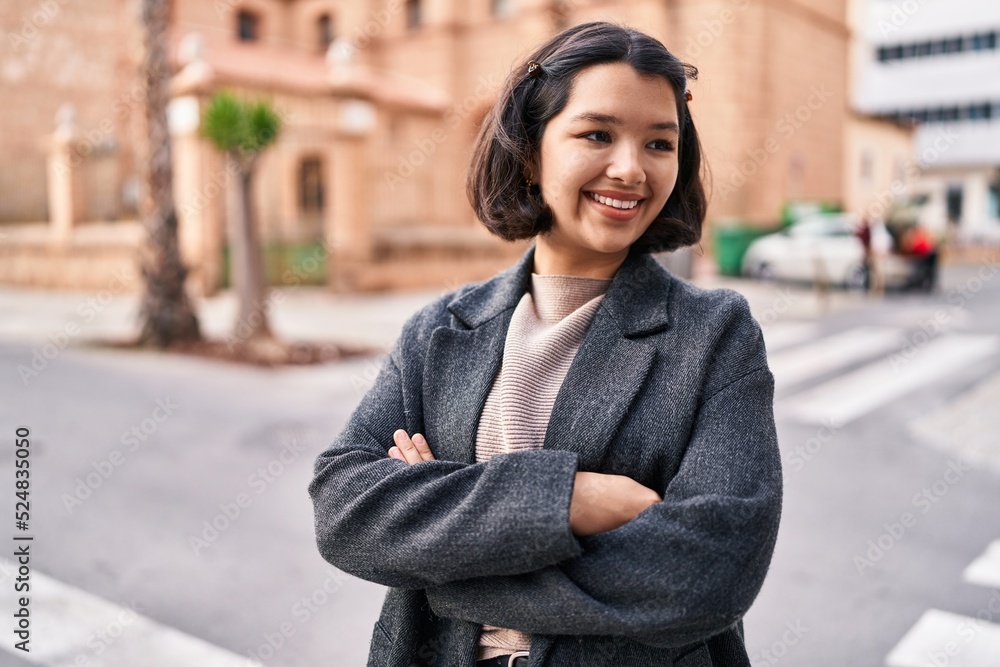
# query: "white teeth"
{"type": "Point", "coordinates": [616, 203]}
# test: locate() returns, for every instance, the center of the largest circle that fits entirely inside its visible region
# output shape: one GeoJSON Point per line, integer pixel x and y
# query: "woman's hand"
{"type": "Point", "coordinates": [410, 450]}
{"type": "Point", "coordinates": [602, 502]}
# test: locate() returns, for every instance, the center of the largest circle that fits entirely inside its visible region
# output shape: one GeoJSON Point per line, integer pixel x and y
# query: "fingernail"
{"type": "Point", "coordinates": [419, 438]}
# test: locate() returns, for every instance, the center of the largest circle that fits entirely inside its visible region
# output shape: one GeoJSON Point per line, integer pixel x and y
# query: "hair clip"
{"type": "Point", "coordinates": [534, 68]}
{"type": "Point", "coordinates": [687, 95]}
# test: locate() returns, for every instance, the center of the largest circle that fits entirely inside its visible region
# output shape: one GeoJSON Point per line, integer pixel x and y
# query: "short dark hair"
{"type": "Point", "coordinates": [509, 138]}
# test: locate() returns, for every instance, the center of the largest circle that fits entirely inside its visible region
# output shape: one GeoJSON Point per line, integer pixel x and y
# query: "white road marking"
{"type": "Point", "coordinates": [854, 394]}
{"type": "Point", "coordinates": [985, 570]}
{"type": "Point", "coordinates": [70, 627]}
{"type": "Point", "coordinates": [943, 638]}
{"type": "Point", "coordinates": [968, 424]}
{"type": "Point", "coordinates": [827, 354]}
{"type": "Point", "coordinates": [778, 335]}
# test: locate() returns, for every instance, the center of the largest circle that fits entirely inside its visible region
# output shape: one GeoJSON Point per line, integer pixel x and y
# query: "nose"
{"type": "Point", "coordinates": [626, 164]}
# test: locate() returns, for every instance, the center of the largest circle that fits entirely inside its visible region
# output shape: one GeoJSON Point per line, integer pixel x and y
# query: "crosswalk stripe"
{"type": "Point", "coordinates": [779, 335]}
{"type": "Point", "coordinates": [70, 627]}
{"type": "Point", "coordinates": [854, 394]}
{"type": "Point", "coordinates": [985, 570]}
{"type": "Point", "coordinates": [967, 425]}
{"type": "Point", "coordinates": [832, 352]}
{"type": "Point", "coordinates": [943, 638]}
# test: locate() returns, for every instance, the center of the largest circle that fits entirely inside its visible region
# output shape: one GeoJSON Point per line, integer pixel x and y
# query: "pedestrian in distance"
{"type": "Point", "coordinates": [573, 463]}
{"type": "Point", "coordinates": [877, 244]}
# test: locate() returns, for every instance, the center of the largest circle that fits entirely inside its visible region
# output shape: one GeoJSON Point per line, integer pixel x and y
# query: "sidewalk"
{"type": "Point", "coordinates": [314, 314]}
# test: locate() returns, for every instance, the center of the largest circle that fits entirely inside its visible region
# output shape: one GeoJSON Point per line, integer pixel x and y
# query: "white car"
{"type": "Point", "coordinates": [821, 248]}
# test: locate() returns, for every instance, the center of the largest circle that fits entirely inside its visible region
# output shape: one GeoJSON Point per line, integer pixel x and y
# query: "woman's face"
{"type": "Point", "coordinates": [607, 164]}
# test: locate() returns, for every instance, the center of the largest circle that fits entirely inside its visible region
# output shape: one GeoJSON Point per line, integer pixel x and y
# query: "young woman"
{"type": "Point", "coordinates": [573, 463]}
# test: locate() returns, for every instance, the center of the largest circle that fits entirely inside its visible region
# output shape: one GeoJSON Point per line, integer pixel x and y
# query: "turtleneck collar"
{"type": "Point", "coordinates": [557, 296]}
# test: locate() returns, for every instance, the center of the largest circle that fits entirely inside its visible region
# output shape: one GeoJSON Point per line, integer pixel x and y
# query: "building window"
{"type": "Point", "coordinates": [980, 111]}
{"type": "Point", "coordinates": [413, 18]}
{"type": "Point", "coordinates": [311, 185]}
{"type": "Point", "coordinates": [953, 203]}
{"type": "Point", "coordinates": [980, 41]}
{"type": "Point", "coordinates": [993, 199]}
{"type": "Point", "coordinates": [501, 8]}
{"type": "Point", "coordinates": [247, 26]}
{"type": "Point", "coordinates": [324, 30]}
{"type": "Point", "coordinates": [984, 41]}
{"type": "Point", "coordinates": [972, 112]}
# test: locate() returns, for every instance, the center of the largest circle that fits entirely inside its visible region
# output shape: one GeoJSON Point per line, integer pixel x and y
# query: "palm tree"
{"type": "Point", "coordinates": [166, 312]}
{"type": "Point", "coordinates": [242, 130]}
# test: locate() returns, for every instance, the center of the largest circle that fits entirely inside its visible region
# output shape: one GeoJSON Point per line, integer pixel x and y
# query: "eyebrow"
{"type": "Point", "coordinates": [611, 119]}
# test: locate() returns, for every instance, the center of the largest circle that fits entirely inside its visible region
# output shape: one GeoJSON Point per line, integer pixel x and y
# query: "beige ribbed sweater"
{"type": "Point", "coordinates": [545, 332]}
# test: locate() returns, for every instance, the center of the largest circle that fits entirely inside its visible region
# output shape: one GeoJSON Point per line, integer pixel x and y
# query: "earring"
{"type": "Point", "coordinates": [528, 186]}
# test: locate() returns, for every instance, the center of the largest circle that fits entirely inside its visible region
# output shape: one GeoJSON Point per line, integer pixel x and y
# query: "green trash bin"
{"type": "Point", "coordinates": [731, 244]}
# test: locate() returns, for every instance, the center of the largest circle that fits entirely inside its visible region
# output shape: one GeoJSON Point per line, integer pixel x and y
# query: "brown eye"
{"type": "Point", "coordinates": [604, 136]}
{"type": "Point", "coordinates": [663, 145]}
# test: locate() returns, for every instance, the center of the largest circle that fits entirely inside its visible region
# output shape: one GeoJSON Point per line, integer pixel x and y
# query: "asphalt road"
{"type": "Point", "coordinates": [175, 489]}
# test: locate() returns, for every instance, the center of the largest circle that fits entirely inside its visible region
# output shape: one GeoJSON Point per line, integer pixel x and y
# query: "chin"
{"type": "Point", "coordinates": [613, 243]}
{"type": "Point", "coordinates": [611, 247]}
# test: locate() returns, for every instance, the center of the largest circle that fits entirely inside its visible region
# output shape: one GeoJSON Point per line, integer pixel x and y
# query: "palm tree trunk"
{"type": "Point", "coordinates": [248, 266]}
{"type": "Point", "coordinates": [166, 312]}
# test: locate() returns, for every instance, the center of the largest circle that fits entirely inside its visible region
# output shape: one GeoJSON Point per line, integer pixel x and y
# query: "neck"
{"type": "Point", "coordinates": [548, 261]}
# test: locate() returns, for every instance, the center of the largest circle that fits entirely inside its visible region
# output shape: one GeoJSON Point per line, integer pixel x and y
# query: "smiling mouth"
{"type": "Point", "coordinates": [623, 205]}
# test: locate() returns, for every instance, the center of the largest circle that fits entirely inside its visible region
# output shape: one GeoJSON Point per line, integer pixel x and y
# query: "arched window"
{"type": "Point", "coordinates": [247, 26]}
{"type": "Point", "coordinates": [324, 31]}
{"type": "Point", "coordinates": [413, 18]}
{"type": "Point", "coordinates": [311, 185]}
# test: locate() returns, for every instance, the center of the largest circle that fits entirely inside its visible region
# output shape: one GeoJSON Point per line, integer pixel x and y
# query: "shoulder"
{"type": "Point", "coordinates": [723, 333]}
{"type": "Point", "coordinates": [710, 310]}
{"type": "Point", "coordinates": [417, 329]}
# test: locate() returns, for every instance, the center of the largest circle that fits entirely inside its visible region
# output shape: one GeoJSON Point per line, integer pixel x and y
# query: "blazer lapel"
{"type": "Point", "coordinates": [458, 375]}
{"type": "Point", "coordinates": [613, 361]}
{"type": "Point", "coordinates": [461, 363]}
{"type": "Point", "coordinates": [602, 382]}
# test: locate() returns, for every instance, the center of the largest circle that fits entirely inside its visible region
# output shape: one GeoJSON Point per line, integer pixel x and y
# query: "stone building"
{"type": "Point", "coordinates": [381, 100]}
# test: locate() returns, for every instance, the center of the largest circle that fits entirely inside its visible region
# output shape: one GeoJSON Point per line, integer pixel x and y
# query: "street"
{"type": "Point", "coordinates": [170, 515]}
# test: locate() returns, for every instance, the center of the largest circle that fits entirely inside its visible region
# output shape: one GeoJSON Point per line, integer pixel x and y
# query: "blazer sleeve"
{"type": "Point", "coordinates": [686, 568]}
{"type": "Point", "coordinates": [414, 526]}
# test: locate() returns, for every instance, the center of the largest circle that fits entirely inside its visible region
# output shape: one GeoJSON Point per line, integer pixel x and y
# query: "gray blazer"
{"type": "Point", "coordinates": [670, 387]}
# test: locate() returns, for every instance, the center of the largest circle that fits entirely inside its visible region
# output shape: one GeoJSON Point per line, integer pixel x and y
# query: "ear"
{"type": "Point", "coordinates": [533, 171]}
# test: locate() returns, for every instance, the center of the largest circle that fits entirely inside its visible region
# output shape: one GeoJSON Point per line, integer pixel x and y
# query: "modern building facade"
{"type": "Point", "coordinates": [936, 64]}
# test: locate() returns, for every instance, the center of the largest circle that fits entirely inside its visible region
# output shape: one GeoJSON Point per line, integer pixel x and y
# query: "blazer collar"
{"type": "Point", "coordinates": [637, 298]}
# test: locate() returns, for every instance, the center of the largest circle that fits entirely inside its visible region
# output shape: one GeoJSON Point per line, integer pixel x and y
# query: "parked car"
{"type": "Point", "coordinates": [823, 247]}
